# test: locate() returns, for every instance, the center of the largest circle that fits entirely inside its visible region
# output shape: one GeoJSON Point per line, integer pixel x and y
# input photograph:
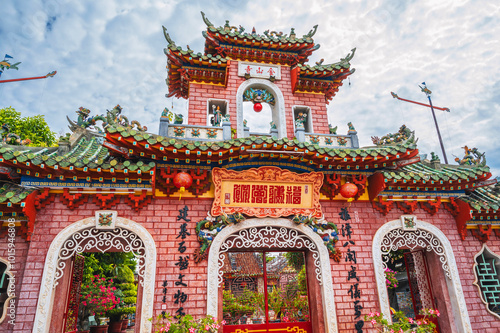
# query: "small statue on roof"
{"type": "Point", "coordinates": [471, 157]}
{"type": "Point", "coordinates": [332, 130]}
{"type": "Point", "coordinates": [11, 138]}
{"type": "Point", "coordinates": [434, 157]}
{"type": "Point", "coordinates": [352, 130]}
{"type": "Point", "coordinates": [179, 118]}
{"type": "Point", "coordinates": [404, 134]}
{"type": "Point", "coordinates": [273, 125]}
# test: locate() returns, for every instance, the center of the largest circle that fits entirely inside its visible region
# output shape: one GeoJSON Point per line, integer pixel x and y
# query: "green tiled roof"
{"type": "Point", "coordinates": [11, 193]}
{"type": "Point", "coordinates": [484, 198]}
{"type": "Point", "coordinates": [194, 55]}
{"type": "Point", "coordinates": [421, 171]}
{"type": "Point", "coordinates": [86, 153]}
{"type": "Point", "coordinates": [153, 139]}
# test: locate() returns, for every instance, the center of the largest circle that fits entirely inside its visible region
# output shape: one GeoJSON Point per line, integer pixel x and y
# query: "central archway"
{"type": "Point", "coordinates": [58, 249]}
{"type": "Point", "coordinates": [309, 240]}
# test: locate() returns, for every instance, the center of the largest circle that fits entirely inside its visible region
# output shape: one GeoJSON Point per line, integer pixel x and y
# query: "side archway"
{"type": "Point", "coordinates": [51, 273]}
{"type": "Point", "coordinates": [278, 109]}
{"type": "Point", "coordinates": [392, 236]}
{"type": "Point", "coordinates": [300, 233]}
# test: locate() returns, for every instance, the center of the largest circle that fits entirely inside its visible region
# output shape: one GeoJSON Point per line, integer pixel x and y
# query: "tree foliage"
{"type": "Point", "coordinates": [34, 128]}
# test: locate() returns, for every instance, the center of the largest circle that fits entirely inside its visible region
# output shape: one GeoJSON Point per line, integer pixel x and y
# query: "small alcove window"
{"type": "Point", "coordinates": [486, 270]}
{"type": "Point", "coordinates": [303, 114]}
{"type": "Point", "coordinates": [216, 109]}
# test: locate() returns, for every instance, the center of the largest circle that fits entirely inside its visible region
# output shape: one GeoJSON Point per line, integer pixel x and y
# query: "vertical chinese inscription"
{"type": "Point", "coordinates": [354, 292]}
{"type": "Point", "coordinates": [180, 297]}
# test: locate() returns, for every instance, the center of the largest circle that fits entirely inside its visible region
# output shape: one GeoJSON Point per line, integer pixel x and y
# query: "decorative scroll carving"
{"type": "Point", "coordinates": [399, 239]}
{"type": "Point", "coordinates": [269, 237]}
{"type": "Point", "coordinates": [431, 206]}
{"type": "Point", "coordinates": [84, 240]}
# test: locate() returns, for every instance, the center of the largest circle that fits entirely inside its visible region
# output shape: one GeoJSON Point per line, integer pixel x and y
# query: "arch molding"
{"type": "Point", "coordinates": [50, 274]}
{"type": "Point", "coordinates": [432, 239]}
{"type": "Point", "coordinates": [323, 269]}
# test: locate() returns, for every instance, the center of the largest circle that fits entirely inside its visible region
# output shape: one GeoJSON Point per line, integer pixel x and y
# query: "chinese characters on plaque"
{"type": "Point", "coordinates": [266, 194]}
{"type": "Point", "coordinates": [266, 191]}
{"type": "Point", "coordinates": [253, 69]}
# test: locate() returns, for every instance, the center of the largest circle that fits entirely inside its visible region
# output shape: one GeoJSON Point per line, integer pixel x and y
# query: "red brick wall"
{"type": "Point", "coordinates": [160, 218]}
{"type": "Point", "coordinates": [18, 269]}
{"type": "Point", "coordinates": [199, 94]}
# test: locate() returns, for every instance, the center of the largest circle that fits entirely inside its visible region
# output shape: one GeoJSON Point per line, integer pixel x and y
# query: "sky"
{"type": "Point", "coordinates": [111, 52]}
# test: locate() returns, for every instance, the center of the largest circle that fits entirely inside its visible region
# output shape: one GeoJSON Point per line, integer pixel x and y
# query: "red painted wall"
{"type": "Point", "coordinates": [160, 218]}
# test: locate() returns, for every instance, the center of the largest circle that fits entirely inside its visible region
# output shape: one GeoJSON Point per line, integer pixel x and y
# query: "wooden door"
{"type": "Point", "coordinates": [73, 302]}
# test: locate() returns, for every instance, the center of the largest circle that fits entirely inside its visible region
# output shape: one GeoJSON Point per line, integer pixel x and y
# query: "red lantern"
{"type": "Point", "coordinates": [182, 180]}
{"type": "Point", "coordinates": [349, 191]}
{"type": "Point", "coordinates": [257, 107]}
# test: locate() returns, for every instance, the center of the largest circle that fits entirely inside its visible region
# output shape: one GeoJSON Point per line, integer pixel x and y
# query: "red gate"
{"type": "Point", "coordinates": [73, 303]}
{"type": "Point", "coordinates": [265, 292]}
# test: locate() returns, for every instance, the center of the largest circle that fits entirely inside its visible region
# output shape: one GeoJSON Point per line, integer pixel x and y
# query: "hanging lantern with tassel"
{"type": "Point", "coordinates": [182, 180]}
{"type": "Point", "coordinates": [348, 191]}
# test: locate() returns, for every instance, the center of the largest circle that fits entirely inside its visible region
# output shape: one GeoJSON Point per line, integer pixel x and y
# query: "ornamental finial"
{"type": "Point", "coordinates": [205, 19]}
{"type": "Point", "coordinates": [312, 32]}
{"type": "Point", "coordinates": [167, 36]}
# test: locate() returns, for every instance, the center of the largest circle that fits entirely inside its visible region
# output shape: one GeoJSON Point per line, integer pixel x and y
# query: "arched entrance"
{"type": "Point", "coordinates": [249, 234]}
{"type": "Point", "coordinates": [80, 233]}
{"type": "Point", "coordinates": [278, 110]}
{"type": "Point", "coordinates": [393, 236]}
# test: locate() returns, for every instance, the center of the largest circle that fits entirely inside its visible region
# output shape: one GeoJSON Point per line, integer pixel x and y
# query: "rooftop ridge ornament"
{"type": "Point", "coordinates": [167, 36]}
{"type": "Point", "coordinates": [312, 32]}
{"type": "Point", "coordinates": [349, 56]}
{"type": "Point", "coordinates": [472, 157]}
{"type": "Point", "coordinates": [113, 117]}
{"type": "Point", "coordinates": [403, 135]}
{"type": "Point", "coordinates": [206, 20]}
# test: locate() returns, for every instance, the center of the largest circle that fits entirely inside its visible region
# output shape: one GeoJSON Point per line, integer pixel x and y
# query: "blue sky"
{"type": "Point", "coordinates": [111, 52]}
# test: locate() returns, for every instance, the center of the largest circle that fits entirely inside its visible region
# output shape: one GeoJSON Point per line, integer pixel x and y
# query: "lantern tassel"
{"type": "Point", "coordinates": [181, 191]}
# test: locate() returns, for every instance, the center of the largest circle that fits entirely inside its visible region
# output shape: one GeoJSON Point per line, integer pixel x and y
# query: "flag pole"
{"type": "Point", "coordinates": [30, 78]}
